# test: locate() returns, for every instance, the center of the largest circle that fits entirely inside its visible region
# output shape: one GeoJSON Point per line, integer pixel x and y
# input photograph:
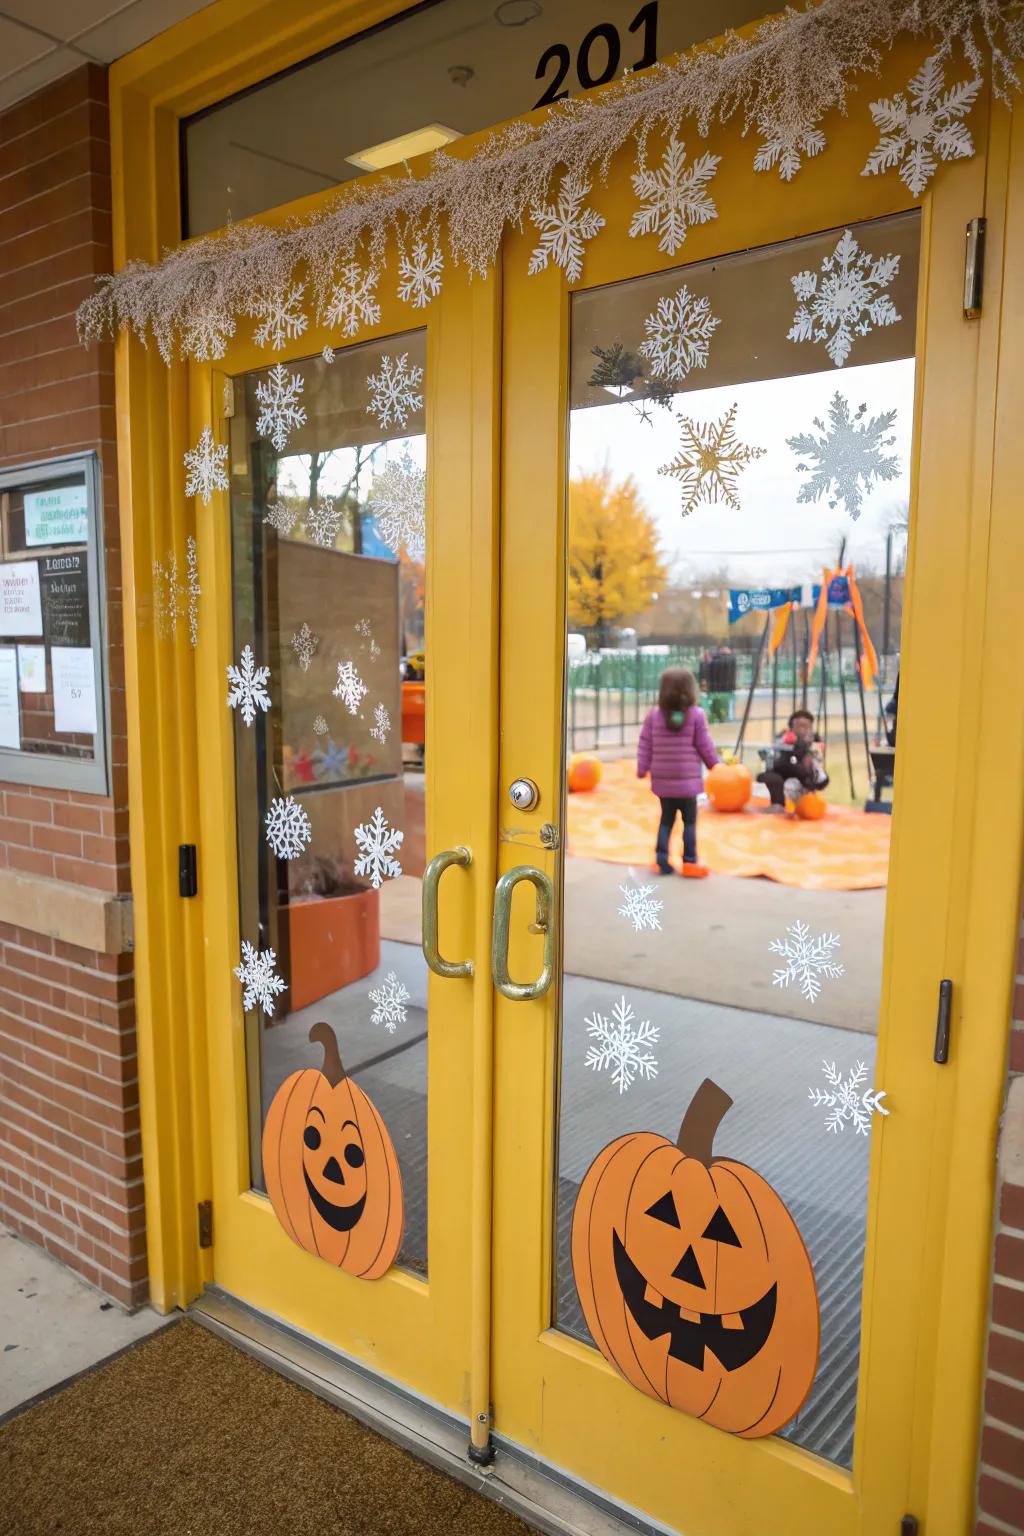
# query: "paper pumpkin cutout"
{"type": "Point", "coordinates": [330, 1167]}
{"type": "Point", "coordinates": [694, 1280]}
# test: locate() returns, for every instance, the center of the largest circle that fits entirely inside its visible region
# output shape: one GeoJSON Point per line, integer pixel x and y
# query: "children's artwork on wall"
{"type": "Point", "coordinates": [693, 1277]}
{"type": "Point", "coordinates": [330, 1167]}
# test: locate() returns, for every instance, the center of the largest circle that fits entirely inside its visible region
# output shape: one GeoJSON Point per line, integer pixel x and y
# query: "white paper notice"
{"type": "Point", "coordinates": [10, 719]}
{"type": "Point", "coordinates": [74, 689]}
{"type": "Point", "coordinates": [20, 613]}
{"type": "Point", "coordinates": [32, 668]}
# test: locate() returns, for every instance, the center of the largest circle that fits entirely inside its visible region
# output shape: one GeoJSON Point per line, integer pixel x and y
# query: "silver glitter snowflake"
{"type": "Point", "coordinates": [378, 843]}
{"type": "Point", "coordinates": [785, 147]}
{"type": "Point", "coordinates": [419, 273]}
{"type": "Point", "coordinates": [565, 226]}
{"type": "Point", "coordinates": [398, 501]}
{"type": "Point", "coordinates": [848, 1099]}
{"type": "Point", "coordinates": [848, 455]}
{"type": "Point", "coordinates": [353, 299]}
{"type": "Point", "coordinates": [847, 300]}
{"type": "Point", "coordinates": [205, 464]}
{"type": "Point", "coordinates": [674, 196]}
{"type": "Point", "coordinates": [248, 686]}
{"type": "Point", "coordinates": [193, 591]}
{"type": "Point", "coordinates": [328, 354]}
{"type": "Point", "coordinates": [168, 596]}
{"type": "Point", "coordinates": [281, 316]}
{"type": "Point", "coordinates": [288, 827]}
{"type": "Point", "coordinates": [394, 391]}
{"type": "Point", "coordinates": [709, 460]}
{"type": "Point", "coordinates": [259, 978]}
{"type": "Point", "coordinates": [304, 644]}
{"type": "Point", "coordinates": [281, 412]}
{"type": "Point", "coordinates": [389, 1001]}
{"type": "Point", "coordinates": [381, 727]}
{"type": "Point", "coordinates": [640, 908]}
{"type": "Point", "coordinates": [282, 517]}
{"type": "Point", "coordinates": [621, 1044]}
{"type": "Point", "coordinates": [808, 960]}
{"type": "Point", "coordinates": [320, 726]}
{"type": "Point", "coordinates": [323, 520]}
{"type": "Point", "coordinates": [918, 133]}
{"type": "Point", "coordinates": [678, 335]}
{"type": "Point", "coordinates": [351, 689]}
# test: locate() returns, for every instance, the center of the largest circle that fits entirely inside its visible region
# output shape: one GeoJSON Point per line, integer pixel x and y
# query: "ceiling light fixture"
{"type": "Point", "coordinates": [405, 147]}
{"type": "Point", "coordinates": [516, 13]}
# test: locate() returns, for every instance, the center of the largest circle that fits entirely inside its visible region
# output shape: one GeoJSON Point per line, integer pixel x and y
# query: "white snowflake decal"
{"type": "Point", "coordinates": [288, 827]}
{"type": "Point", "coordinates": [784, 147]}
{"type": "Point", "coordinates": [389, 1002]}
{"type": "Point", "coordinates": [848, 301]}
{"type": "Point", "coordinates": [678, 334]}
{"type": "Point", "coordinates": [565, 226]}
{"type": "Point", "coordinates": [709, 460]}
{"type": "Point", "coordinates": [918, 133]}
{"type": "Point", "coordinates": [378, 842]}
{"type": "Point", "coordinates": [328, 355]}
{"type": "Point", "coordinates": [304, 644]}
{"type": "Point", "coordinates": [320, 726]}
{"type": "Point", "coordinates": [419, 273]}
{"type": "Point", "coordinates": [205, 464]}
{"type": "Point", "coordinates": [353, 300]}
{"type": "Point", "coordinates": [640, 908]}
{"type": "Point", "coordinates": [364, 628]}
{"type": "Point", "coordinates": [807, 960]}
{"type": "Point", "coordinates": [673, 197]}
{"type": "Point", "coordinates": [323, 520]}
{"type": "Point", "coordinates": [168, 596]}
{"type": "Point", "coordinates": [282, 517]}
{"type": "Point", "coordinates": [398, 501]}
{"type": "Point", "coordinates": [281, 413]}
{"type": "Point", "coordinates": [848, 1099]}
{"type": "Point", "coordinates": [259, 978]}
{"type": "Point", "coordinates": [283, 319]}
{"type": "Point", "coordinates": [351, 689]}
{"type": "Point", "coordinates": [248, 686]}
{"type": "Point", "coordinates": [394, 391]}
{"type": "Point", "coordinates": [193, 590]}
{"type": "Point", "coordinates": [848, 454]}
{"type": "Point", "coordinates": [381, 727]}
{"type": "Point", "coordinates": [622, 1045]}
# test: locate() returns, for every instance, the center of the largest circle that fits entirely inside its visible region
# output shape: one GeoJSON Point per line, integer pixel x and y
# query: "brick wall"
{"type": "Point", "coordinates": [1001, 1460]}
{"type": "Point", "coordinates": [70, 1154]}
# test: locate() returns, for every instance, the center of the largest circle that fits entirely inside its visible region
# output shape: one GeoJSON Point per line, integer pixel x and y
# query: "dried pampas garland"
{"type": "Point", "coordinates": [780, 82]}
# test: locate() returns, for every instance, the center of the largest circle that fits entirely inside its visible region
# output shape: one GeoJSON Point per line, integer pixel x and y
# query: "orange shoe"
{"type": "Point", "coordinates": [695, 871]}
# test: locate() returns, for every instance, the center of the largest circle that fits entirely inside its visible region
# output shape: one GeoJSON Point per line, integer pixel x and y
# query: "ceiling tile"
{"type": "Point", "coordinates": [18, 48]}
{"type": "Point", "coordinates": [130, 26]}
{"type": "Point", "coordinates": [60, 18]}
{"type": "Point", "coordinates": [32, 77]}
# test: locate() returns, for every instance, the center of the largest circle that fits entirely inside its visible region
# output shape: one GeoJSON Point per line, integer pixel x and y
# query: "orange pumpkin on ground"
{"type": "Point", "coordinates": [330, 1167]}
{"type": "Point", "coordinates": [584, 773]}
{"type": "Point", "coordinates": [693, 1277]}
{"type": "Point", "coordinates": [729, 786]}
{"type": "Point", "coordinates": [812, 806]}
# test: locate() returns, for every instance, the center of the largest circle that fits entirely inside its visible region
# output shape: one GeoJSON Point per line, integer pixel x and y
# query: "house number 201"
{"type": "Point", "coordinates": [597, 58]}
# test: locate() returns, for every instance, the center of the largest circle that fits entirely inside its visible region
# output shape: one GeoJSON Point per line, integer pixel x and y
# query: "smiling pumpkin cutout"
{"type": "Point", "coordinates": [694, 1280]}
{"type": "Point", "coordinates": [330, 1167]}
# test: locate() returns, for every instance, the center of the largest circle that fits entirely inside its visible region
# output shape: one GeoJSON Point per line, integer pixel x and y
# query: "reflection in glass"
{"type": "Point", "coordinates": [737, 521]}
{"type": "Point", "coordinates": [329, 550]}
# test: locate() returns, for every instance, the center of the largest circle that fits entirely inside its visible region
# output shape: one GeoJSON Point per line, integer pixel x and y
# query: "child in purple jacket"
{"type": "Point", "coordinates": [674, 742]}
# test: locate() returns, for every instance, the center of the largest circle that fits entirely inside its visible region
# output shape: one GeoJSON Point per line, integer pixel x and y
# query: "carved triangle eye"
{"type": "Point", "coordinates": [664, 1210]}
{"type": "Point", "coordinates": [719, 1229]}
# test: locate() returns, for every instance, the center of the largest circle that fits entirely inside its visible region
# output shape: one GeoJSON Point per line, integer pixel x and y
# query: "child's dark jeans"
{"type": "Point", "coordinates": [671, 806]}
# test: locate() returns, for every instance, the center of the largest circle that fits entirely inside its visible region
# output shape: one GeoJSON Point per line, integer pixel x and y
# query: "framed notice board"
{"type": "Point", "coordinates": [54, 706]}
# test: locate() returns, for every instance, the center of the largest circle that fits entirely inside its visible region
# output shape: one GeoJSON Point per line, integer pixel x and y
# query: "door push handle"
{"type": "Point", "coordinates": [521, 992]}
{"type": "Point", "coordinates": [431, 880]}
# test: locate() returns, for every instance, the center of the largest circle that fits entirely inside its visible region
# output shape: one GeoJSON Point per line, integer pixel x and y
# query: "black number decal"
{"type": "Point", "coordinates": [560, 52]}
{"type": "Point", "coordinates": [648, 19]}
{"type": "Point", "coordinates": [611, 39]}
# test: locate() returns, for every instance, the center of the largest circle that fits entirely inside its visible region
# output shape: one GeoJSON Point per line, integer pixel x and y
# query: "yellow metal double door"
{"type": "Point", "coordinates": [483, 1332]}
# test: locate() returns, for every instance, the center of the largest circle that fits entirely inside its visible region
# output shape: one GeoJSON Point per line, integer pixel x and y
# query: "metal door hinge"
{"type": "Point", "coordinates": [974, 268]}
{"type": "Point", "coordinates": [188, 876]}
{"type": "Point", "coordinates": [204, 1211]}
{"type": "Point", "coordinates": [941, 1055]}
{"type": "Point", "coordinates": [908, 1525]}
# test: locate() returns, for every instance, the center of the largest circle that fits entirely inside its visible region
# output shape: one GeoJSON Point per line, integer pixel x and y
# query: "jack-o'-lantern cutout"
{"type": "Point", "coordinates": [330, 1167]}
{"type": "Point", "coordinates": [694, 1280]}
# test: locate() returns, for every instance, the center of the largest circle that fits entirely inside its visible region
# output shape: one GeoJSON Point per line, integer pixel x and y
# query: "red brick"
{"type": "Point", "coordinates": [1001, 1451]}
{"type": "Point", "coordinates": [1017, 1050]}
{"type": "Point", "coordinates": [57, 840]}
{"type": "Point", "coordinates": [1011, 1206]}
{"type": "Point", "coordinates": [1005, 1403]}
{"type": "Point", "coordinates": [1003, 1500]}
{"type": "Point", "coordinates": [1009, 1261]}
{"type": "Point", "coordinates": [25, 806]}
{"type": "Point", "coordinates": [1008, 1307]}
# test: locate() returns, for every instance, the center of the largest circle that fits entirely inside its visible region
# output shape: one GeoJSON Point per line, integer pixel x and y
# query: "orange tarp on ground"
{"type": "Point", "coordinates": [846, 851]}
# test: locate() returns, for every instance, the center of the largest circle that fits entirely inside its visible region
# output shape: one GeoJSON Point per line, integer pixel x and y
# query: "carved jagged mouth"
{"type": "Point", "coordinates": [340, 1218]}
{"type": "Point", "coordinates": [688, 1339]}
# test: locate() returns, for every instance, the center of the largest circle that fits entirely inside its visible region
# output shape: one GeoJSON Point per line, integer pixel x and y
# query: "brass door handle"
{"type": "Point", "coordinates": [431, 879]}
{"type": "Point", "coordinates": [518, 991]}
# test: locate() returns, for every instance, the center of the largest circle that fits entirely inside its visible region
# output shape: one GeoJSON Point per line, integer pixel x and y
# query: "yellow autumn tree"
{"type": "Point", "coordinates": [615, 564]}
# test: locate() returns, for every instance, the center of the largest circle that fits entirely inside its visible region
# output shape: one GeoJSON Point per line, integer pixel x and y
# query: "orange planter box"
{"type": "Point", "coordinates": [414, 710]}
{"type": "Point", "coordinates": [333, 941]}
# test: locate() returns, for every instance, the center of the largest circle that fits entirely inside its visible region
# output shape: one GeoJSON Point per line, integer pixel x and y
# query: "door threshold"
{"type": "Point", "coordinates": [541, 1496]}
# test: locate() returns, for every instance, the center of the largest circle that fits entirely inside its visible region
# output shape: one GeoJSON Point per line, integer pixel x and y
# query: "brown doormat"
{"type": "Point", "coordinates": [183, 1435]}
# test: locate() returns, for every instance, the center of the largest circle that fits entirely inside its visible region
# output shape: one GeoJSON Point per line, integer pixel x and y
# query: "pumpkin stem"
{"type": "Point", "coordinates": [332, 1069]}
{"type": "Point", "coordinates": [708, 1107]}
